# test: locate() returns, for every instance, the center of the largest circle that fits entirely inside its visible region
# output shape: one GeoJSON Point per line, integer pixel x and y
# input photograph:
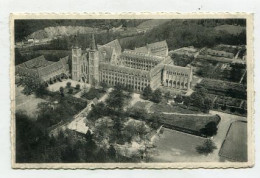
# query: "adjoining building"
{"type": "Point", "coordinates": [135, 69]}
{"type": "Point", "coordinates": [47, 71]}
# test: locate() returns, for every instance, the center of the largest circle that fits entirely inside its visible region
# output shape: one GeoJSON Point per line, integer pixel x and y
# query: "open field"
{"type": "Point", "coordinates": [28, 104]}
{"type": "Point", "coordinates": [174, 146]}
{"type": "Point", "coordinates": [234, 147]}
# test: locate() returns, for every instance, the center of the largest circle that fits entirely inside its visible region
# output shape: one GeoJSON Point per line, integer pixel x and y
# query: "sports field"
{"type": "Point", "coordinates": [234, 147]}
{"type": "Point", "coordinates": [174, 146]}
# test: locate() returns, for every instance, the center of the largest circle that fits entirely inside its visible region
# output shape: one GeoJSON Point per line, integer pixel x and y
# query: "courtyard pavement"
{"type": "Point", "coordinates": [56, 86]}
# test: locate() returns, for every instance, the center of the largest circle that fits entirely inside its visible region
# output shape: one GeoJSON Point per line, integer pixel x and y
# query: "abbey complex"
{"type": "Point", "coordinates": [135, 69]}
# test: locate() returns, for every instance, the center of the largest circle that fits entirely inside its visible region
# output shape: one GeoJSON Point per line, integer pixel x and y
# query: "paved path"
{"type": "Point", "coordinates": [226, 120]}
{"type": "Point", "coordinates": [78, 123]}
{"type": "Point", "coordinates": [181, 114]}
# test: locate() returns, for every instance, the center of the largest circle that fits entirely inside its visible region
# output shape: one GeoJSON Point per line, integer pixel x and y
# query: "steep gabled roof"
{"type": "Point", "coordinates": [142, 49]}
{"type": "Point", "coordinates": [156, 45]}
{"type": "Point", "coordinates": [141, 56]}
{"type": "Point", "coordinates": [185, 70]}
{"type": "Point", "coordinates": [158, 48]}
{"type": "Point", "coordinates": [123, 69]}
{"type": "Point", "coordinates": [36, 62]}
{"type": "Point", "coordinates": [115, 44]}
{"type": "Point", "coordinates": [106, 52]}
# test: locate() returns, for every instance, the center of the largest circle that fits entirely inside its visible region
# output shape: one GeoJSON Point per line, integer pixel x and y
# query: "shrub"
{"type": "Point", "coordinates": [207, 147]}
{"type": "Point", "coordinates": [68, 84]}
{"type": "Point", "coordinates": [70, 91]}
{"type": "Point", "coordinates": [178, 99]}
{"type": "Point", "coordinates": [78, 86]}
{"type": "Point", "coordinates": [210, 129]}
{"type": "Point", "coordinates": [157, 96]}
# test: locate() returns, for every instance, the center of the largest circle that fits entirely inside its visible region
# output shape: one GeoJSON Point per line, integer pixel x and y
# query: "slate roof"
{"type": "Point", "coordinates": [179, 69]}
{"type": "Point", "coordinates": [157, 48]}
{"type": "Point", "coordinates": [105, 52]}
{"type": "Point", "coordinates": [123, 69]}
{"type": "Point", "coordinates": [36, 62]}
{"type": "Point", "coordinates": [44, 69]}
{"type": "Point", "coordinates": [141, 56]}
{"type": "Point", "coordinates": [115, 44]}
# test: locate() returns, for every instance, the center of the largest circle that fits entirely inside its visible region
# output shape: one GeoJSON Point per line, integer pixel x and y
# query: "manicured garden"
{"type": "Point", "coordinates": [219, 87]}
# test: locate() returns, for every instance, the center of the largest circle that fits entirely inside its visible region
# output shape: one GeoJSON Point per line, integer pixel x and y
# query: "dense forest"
{"type": "Point", "coordinates": [197, 33]}
{"type": "Point", "coordinates": [177, 33]}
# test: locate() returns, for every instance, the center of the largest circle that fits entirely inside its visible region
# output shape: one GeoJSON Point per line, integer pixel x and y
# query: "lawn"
{"type": "Point", "coordinates": [28, 104]}
{"type": "Point", "coordinates": [234, 147]}
{"type": "Point", "coordinates": [174, 146]}
{"type": "Point", "coordinates": [141, 105]}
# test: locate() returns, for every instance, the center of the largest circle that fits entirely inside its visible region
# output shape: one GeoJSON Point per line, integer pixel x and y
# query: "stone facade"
{"type": "Point", "coordinates": [135, 69]}
{"type": "Point", "coordinates": [46, 71]}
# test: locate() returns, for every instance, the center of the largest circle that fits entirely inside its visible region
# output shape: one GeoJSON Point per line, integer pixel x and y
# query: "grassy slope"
{"type": "Point", "coordinates": [190, 122]}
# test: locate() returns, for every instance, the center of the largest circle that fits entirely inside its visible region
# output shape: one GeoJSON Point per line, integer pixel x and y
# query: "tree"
{"type": "Point", "coordinates": [210, 129]}
{"type": "Point", "coordinates": [187, 101]}
{"type": "Point", "coordinates": [70, 90]}
{"type": "Point", "coordinates": [41, 90]}
{"type": "Point", "coordinates": [117, 129]}
{"type": "Point", "coordinates": [167, 95]}
{"type": "Point", "coordinates": [78, 86]}
{"type": "Point", "coordinates": [208, 104]}
{"type": "Point", "coordinates": [88, 136]}
{"type": "Point", "coordinates": [62, 91]}
{"type": "Point", "coordinates": [178, 99]}
{"type": "Point", "coordinates": [68, 84]}
{"type": "Point", "coordinates": [141, 130]}
{"type": "Point", "coordinates": [155, 120]}
{"type": "Point", "coordinates": [147, 92]}
{"type": "Point", "coordinates": [207, 147]}
{"type": "Point", "coordinates": [115, 99]}
{"type": "Point", "coordinates": [103, 85]}
{"type": "Point", "coordinates": [111, 152]}
{"type": "Point", "coordinates": [31, 84]}
{"type": "Point", "coordinates": [157, 96]}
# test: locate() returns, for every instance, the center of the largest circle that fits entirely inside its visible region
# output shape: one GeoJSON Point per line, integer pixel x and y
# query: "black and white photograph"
{"type": "Point", "coordinates": [132, 92]}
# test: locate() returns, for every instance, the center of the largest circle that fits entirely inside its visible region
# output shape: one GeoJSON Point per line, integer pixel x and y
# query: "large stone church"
{"type": "Point", "coordinates": [135, 69]}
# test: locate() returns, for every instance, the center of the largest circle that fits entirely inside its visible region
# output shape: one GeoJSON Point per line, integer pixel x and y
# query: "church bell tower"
{"type": "Point", "coordinates": [93, 71]}
{"type": "Point", "coordinates": [76, 63]}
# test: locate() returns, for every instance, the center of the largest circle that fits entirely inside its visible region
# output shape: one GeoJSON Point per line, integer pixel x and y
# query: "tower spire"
{"type": "Point", "coordinates": [93, 43]}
